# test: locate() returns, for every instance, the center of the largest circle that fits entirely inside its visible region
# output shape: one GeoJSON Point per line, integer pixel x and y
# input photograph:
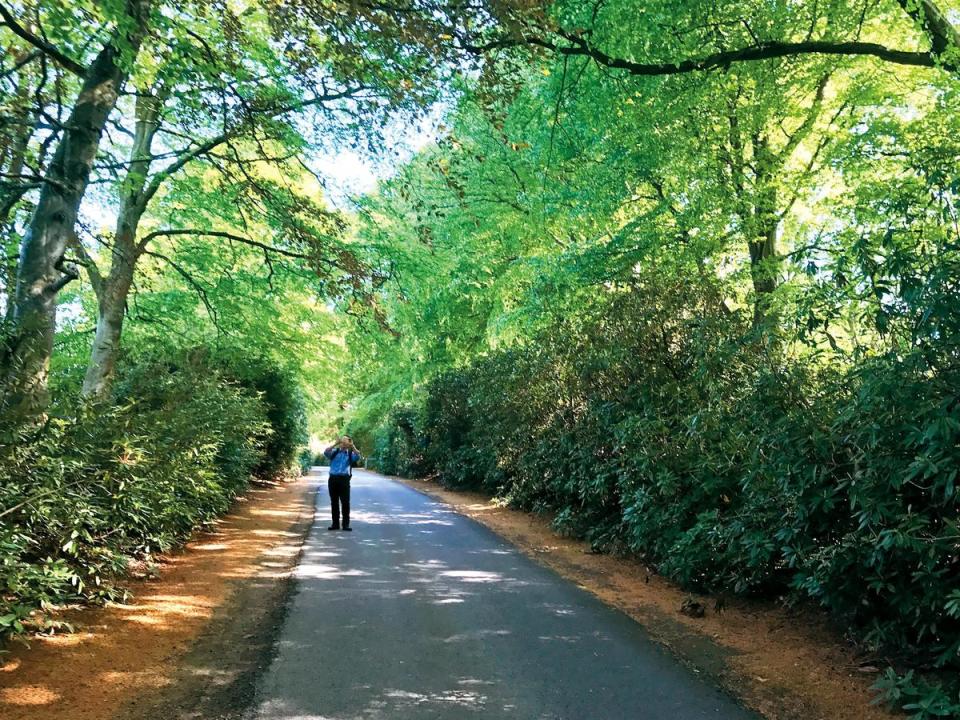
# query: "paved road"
{"type": "Point", "coordinates": [422, 613]}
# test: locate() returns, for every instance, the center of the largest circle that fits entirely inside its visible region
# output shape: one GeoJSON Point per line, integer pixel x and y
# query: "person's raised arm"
{"type": "Point", "coordinates": [329, 452]}
{"type": "Point", "coordinates": [353, 454]}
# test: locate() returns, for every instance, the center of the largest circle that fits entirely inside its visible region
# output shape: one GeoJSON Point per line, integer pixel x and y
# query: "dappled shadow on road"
{"type": "Point", "coordinates": [404, 590]}
{"type": "Point", "coordinates": [387, 556]}
{"type": "Point", "coordinates": [420, 613]}
{"type": "Point", "coordinates": [394, 702]}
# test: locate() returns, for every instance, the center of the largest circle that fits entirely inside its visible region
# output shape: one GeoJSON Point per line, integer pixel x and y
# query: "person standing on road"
{"type": "Point", "coordinates": [342, 456]}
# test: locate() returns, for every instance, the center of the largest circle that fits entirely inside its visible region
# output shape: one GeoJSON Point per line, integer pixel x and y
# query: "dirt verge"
{"type": "Point", "coordinates": [191, 641]}
{"type": "Point", "coordinates": [786, 664]}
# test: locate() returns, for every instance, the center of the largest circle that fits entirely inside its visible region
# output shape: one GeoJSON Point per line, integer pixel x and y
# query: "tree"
{"type": "Point", "coordinates": [41, 272]}
{"type": "Point", "coordinates": [577, 30]}
{"type": "Point", "coordinates": [137, 190]}
{"type": "Point", "coordinates": [311, 62]}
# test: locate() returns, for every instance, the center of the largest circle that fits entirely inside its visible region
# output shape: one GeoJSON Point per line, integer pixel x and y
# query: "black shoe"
{"type": "Point", "coordinates": [333, 527]}
{"type": "Point", "coordinates": [347, 528]}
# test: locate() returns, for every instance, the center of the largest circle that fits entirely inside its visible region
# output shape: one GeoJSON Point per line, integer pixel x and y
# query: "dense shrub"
{"type": "Point", "coordinates": [306, 460]}
{"type": "Point", "coordinates": [659, 423]}
{"type": "Point", "coordinates": [82, 494]}
{"type": "Point", "coordinates": [397, 449]}
{"type": "Point", "coordinates": [284, 405]}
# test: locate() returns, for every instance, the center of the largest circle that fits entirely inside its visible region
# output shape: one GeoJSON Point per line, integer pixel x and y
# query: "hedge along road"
{"type": "Point", "coordinates": [423, 613]}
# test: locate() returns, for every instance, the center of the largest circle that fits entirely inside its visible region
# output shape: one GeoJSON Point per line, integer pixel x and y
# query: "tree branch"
{"type": "Point", "coordinates": [42, 45]}
{"type": "Point", "coordinates": [84, 259]}
{"type": "Point", "coordinates": [70, 274]}
{"type": "Point", "coordinates": [24, 59]}
{"type": "Point", "coordinates": [216, 233]}
{"type": "Point", "coordinates": [213, 143]}
{"type": "Point", "coordinates": [942, 34]}
{"type": "Point", "coordinates": [764, 51]}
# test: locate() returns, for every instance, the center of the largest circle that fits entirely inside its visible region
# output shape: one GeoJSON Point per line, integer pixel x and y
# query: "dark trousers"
{"type": "Point", "coordinates": [339, 486]}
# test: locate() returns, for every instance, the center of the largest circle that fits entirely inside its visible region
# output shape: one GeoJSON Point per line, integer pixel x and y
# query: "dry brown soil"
{"type": "Point", "coordinates": [189, 642]}
{"type": "Point", "coordinates": [786, 664]}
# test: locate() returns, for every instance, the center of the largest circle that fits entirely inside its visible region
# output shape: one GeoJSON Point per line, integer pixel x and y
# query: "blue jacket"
{"type": "Point", "coordinates": [341, 461]}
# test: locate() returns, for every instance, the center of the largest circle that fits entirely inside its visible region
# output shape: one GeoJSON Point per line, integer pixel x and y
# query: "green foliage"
{"type": "Point", "coordinates": [397, 448]}
{"type": "Point", "coordinates": [305, 460]}
{"type": "Point", "coordinates": [285, 407]}
{"type": "Point", "coordinates": [654, 423]}
{"type": "Point", "coordinates": [82, 494]}
{"type": "Point", "coordinates": [709, 318]}
{"type": "Point", "coordinates": [576, 325]}
{"type": "Point", "coordinates": [920, 697]}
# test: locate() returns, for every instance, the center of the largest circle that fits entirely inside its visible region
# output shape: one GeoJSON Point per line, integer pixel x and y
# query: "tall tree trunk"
{"type": "Point", "coordinates": [9, 197]}
{"type": "Point", "coordinates": [12, 188]}
{"type": "Point", "coordinates": [112, 291]}
{"type": "Point", "coordinates": [765, 274]}
{"type": "Point", "coordinates": [112, 306]}
{"type": "Point", "coordinates": [764, 258]}
{"type": "Point", "coordinates": [40, 271]}
{"type": "Point", "coordinates": [756, 171]}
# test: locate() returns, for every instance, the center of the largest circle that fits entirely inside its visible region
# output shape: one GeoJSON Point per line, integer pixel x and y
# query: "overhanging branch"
{"type": "Point", "coordinates": [227, 235]}
{"type": "Point", "coordinates": [208, 146]}
{"type": "Point", "coordinates": [937, 26]}
{"type": "Point", "coordinates": [193, 283]}
{"type": "Point", "coordinates": [580, 47]}
{"type": "Point", "coordinates": [42, 45]}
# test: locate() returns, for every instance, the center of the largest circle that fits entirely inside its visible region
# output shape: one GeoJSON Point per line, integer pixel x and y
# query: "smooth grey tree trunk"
{"type": "Point", "coordinates": [41, 273]}
{"type": "Point", "coordinates": [112, 301]}
{"type": "Point", "coordinates": [112, 290]}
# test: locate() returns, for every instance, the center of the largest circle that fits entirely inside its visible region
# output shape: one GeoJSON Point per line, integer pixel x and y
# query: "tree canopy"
{"type": "Point", "coordinates": [683, 273]}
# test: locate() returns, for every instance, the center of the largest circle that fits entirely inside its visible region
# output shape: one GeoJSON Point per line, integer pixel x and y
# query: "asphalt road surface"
{"type": "Point", "coordinates": [423, 613]}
